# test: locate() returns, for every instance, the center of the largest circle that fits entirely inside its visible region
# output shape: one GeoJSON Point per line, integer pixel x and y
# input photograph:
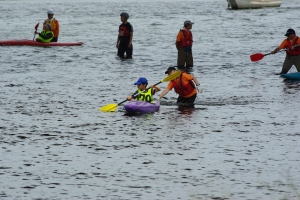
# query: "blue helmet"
{"type": "Point", "coordinates": [124, 14]}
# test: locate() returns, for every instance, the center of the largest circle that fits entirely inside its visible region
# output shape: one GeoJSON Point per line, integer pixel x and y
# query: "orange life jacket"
{"type": "Point", "coordinates": [54, 26]}
{"type": "Point", "coordinates": [289, 45]}
{"type": "Point", "coordinates": [183, 89]}
{"type": "Point", "coordinates": [187, 40]}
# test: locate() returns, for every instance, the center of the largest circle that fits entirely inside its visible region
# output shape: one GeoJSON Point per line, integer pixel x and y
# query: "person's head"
{"type": "Point", "coordinates": [124, 16]}
{"type": "Point", "coordinates": [290, 33]}
{"type": "Point", "coordinates": [141, 83]}
{"type": "Point", "coordinates": [170, 70]}
{"type": "Point", "coordinates": [188, 24]}
{"type": "Point", "coordinates": [50, 13]}
{"type": "Point", "coordinates": [47, 27]}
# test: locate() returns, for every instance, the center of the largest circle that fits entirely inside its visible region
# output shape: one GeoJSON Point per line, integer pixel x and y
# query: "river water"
{"type": "Point", "coordinates": [241, 141]}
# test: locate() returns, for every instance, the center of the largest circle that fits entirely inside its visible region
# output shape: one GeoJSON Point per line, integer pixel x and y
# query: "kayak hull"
{"type": "Point", "coordinates": [292, 76]}
{"type": "Point", "coordinates": [141, 107]}
{"type": "Point", "coordinates": [35, 43]}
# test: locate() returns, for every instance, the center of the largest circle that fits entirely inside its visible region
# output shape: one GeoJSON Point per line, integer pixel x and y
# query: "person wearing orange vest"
{"type": "Point", "coordinates": [124, 40]}
{"type": "Point", "coordinates": [292, 46]}
{"type": "Point", "coordinates": [184, 42]}
{"type": "Point", "coordinates": [54, 24]}
{"type": "Point", "coordinates": [186, 86]}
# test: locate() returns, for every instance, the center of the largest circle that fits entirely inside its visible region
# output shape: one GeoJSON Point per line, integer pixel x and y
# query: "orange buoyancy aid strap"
{"type": "Point", "coordinates": [289, 44]}
{"type": "Point", "coordinates": [54, 26]}
{"type": "Point", "coordinates": [187, 39]}
{"type": "Point", "coordinates": [181, 88]}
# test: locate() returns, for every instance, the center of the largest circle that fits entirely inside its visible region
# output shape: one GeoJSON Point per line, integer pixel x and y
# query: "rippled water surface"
{"type": "Point", "coordinates": [241, 141]}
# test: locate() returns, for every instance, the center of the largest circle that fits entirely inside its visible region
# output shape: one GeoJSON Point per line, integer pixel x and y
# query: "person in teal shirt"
{"type": "Point", "coordinates": [46, 35]}
{"type": "Point", "coordinates": [144, 94]}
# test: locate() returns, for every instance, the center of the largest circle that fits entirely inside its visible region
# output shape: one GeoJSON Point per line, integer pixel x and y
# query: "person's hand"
{"type": "Point", "coordinates": [199, 89]}
{"type": "Point", "coordinates": [35, 32]}
{"type": "Point", "coordinates": [293, 47]}
{"type": "Point", "coordinates": [129, 98]}
{"type": "Point", "coordinates": [117, 45]}
{"type": "Point", "coordinates": [273, 52]}
{"type": "Point", "coordinates": [158, 99]}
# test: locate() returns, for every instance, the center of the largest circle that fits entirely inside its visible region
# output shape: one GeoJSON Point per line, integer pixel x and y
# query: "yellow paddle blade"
{"type": "Point", "coordinates": [109, 108]}
{"type": "Point", "coordinates": [172, 76]}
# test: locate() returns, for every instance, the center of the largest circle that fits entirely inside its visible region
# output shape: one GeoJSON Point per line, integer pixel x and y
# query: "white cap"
{"type": "Point", "coordinates": [50, 12]}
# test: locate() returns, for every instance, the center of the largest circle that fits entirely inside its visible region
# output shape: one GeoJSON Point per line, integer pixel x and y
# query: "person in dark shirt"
{"type": "Point", "coordinates": [124, 41]}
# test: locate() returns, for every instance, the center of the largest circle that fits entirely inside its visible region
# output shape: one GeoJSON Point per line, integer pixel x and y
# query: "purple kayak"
{"type": "Point", "coordinates": [141, 107]}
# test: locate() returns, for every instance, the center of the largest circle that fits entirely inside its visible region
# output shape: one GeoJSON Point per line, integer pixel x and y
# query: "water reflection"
{"type": "Point", "coordinates": [186, 109]}
{"type": "Point", "coordinates": [291, 86]}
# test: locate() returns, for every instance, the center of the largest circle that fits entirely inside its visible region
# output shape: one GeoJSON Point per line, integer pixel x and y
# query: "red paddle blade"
{"type": "Point", "coordinates": [256, 57]}
{"type": "Point", "coordinates": [36, 26]}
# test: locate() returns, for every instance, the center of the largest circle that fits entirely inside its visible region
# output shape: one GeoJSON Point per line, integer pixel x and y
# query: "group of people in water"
{"type": "Point", "coordinates": [185, 85]}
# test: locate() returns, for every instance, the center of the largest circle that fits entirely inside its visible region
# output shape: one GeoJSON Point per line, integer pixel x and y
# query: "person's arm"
{"type": "Point", "coordinates": [197, 84]}
{"type": "Point", "coordinates": [118, 40]}
{"type": "Point", "coordinates": [196, 81]}
{"type": "Point", "coordinates": [275, 50]}
{"type": "Point", "coordinates": [163, 94]}
{"type": "Point", "coordinates": [281, 46]}
{"type": "Point", "coordinates": [57, 27]}
{"type": "Point", "coordinates": [178, 39]}
{"type": "Point", "coordinates": [130, 39]}
{"type": "Point", "coordinates": [133, 96]}
{"type": "Point", "coordinates": [198, 88]}
{"type": "Point", "coordinates": [157, 89]}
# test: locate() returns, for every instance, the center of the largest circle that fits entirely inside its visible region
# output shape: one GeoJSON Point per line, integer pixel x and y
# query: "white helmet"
{"type": "Point", "coordinates": [50, 12]}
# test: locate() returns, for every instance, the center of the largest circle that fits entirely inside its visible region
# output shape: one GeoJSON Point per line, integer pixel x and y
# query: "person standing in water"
{"type": "Point", "coordinates": [124, 40]}
{"type": "Point", "coordinates": [186, 86]}
{"type": "Point", "coordinates": [292, 46]}
{"type": "Point", "coordinates": [184, 43]}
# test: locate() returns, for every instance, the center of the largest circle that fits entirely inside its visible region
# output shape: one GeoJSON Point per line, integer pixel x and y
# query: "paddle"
{"type": "Point", "coordinates": [113, 107]}
{"type": "Point", "coordinates": [36, 27]}
{"type": "Point", "coordinates": [259, 56]}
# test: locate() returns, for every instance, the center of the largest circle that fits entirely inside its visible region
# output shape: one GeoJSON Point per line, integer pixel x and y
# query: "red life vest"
{"type": "Point", "coordinates": [187, 40]}
{"type": "Point", "coordinates": [123, 31]}
{"type": "Point", "coordinates": [183, 89]}
{"type": "Point", "coordinates": [289, 45]}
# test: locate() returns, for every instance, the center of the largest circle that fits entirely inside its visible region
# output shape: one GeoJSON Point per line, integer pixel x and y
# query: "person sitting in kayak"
{"type": "Point", "coordinates": [186, 86]}
{"type": "Point", "coordinates": [53, 23]}
{"type": "Point", "coordinates": [143, 93]}
{"type": "Point", "coordinates": [46, 35]}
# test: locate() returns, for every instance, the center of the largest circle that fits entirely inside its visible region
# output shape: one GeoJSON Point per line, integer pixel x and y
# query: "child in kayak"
{"type": "Point", "coordinates": [143, 93]}
{"type": "Point", "coordinates": [46, 35]}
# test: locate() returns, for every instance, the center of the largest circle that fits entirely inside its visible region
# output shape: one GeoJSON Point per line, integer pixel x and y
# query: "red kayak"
{"type": "Point", "coordinates": [35, 43]}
